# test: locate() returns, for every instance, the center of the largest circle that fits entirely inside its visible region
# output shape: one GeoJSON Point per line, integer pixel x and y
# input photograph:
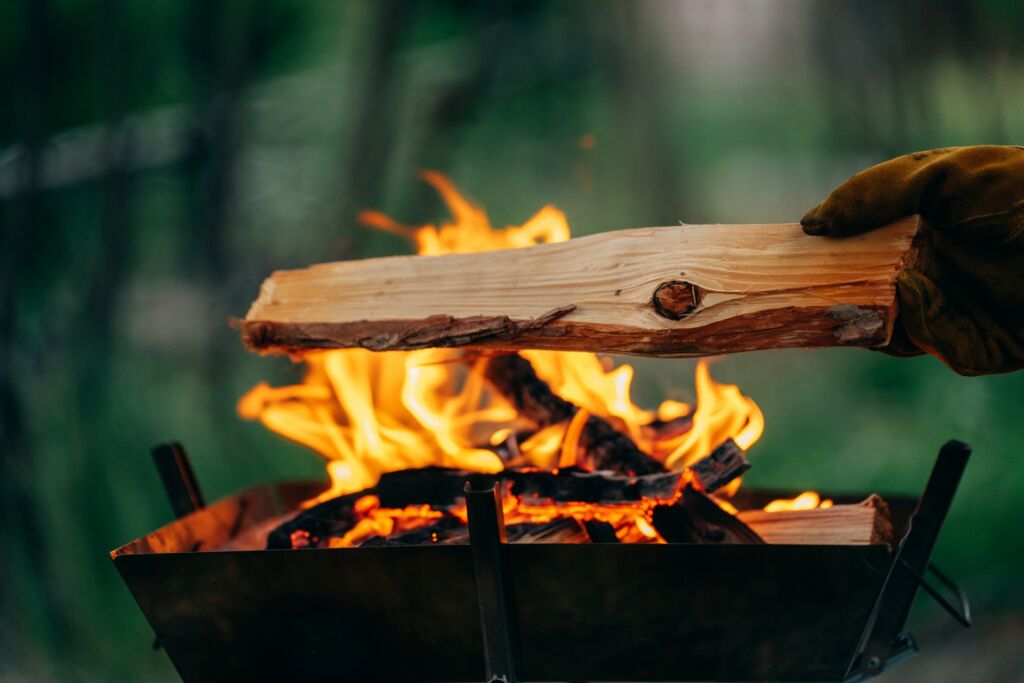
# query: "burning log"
{"type": "Point", "coordinates": [698, 519]}
{"type": "Point", "coordinates": [600, 532]}
{"type": "Point", "coordinates": [601, 446]}
{"type": "Point", "coordinates": [307, 528]}
{"type": "Point", "coordinates": [451, 531]}
{"type": "Point", "coordinates": [561, 530]}
{"type": "Point", "coordinates": [678, 291]}
{"type": "Point", "coordinates": [448, 529]}
{"type": "Point", "coordinates": [868, 522]}
{"type": "Point", "coordinates": [721, 466]}
{"type": "Point", "coordinates": [441, 487]}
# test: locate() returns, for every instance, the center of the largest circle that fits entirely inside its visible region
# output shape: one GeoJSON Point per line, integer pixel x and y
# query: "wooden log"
{"type": "Point", "coordinates": [678, 291]}
{"type": "Point", "coordinates": [447, 530]}
{"type": "Point", "coordinates": [865, 523]}
{"type": "Point", "coordinates": [561, 530]}
{"type": "Point", "coordinates": [451, 531]}
{"type": "Point", "coordinates": [311, 526]}
{"type": "Point", "coordinates": [601, 446]}
{"type": "Point", "coordinates": [600, 532]}
{"type": "Point", "coordinates": [441, 487]}
{"type": "Point", "coordinates": [719, 467]}
{"type": "Point", "coordinates": [695, 518]}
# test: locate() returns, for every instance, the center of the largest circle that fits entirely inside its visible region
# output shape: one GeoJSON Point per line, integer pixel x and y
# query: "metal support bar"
{"type": "Point", "coordinates": [897, 594]}
{"type": "Point", "coordinates": [178, 479]}
{"type": "Point", "coordinates": [493, 584]}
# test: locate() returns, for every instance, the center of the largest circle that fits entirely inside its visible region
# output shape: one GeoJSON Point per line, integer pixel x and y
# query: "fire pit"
{"type": "Point", "coordinates": [543, 612]}
{"type": "Point", "coordinates": [515, 516]}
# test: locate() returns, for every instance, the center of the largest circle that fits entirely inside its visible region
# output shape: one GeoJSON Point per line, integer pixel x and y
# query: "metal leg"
{"type": "Point", "coordinates": [177, 477]}
{"type": "Point", "coordinates": [897, 595]}
{"type": "Point", "coordinates": [493, 584]}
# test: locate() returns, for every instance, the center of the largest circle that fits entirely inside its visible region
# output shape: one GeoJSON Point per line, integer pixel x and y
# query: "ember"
{"type": "Point", "coordinates": [403, 431]}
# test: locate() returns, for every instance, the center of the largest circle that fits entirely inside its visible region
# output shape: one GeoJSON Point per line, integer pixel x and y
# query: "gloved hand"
{"type": "Point", "coordinates": [966, 305]}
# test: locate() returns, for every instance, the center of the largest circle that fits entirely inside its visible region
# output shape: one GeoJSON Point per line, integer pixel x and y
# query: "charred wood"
{"type": "Point", "coordinates": [442, 487]}
{"type": "Point", "coordinates": [600, 532]}
{"type": "Point", "coordinates": [448, 530]}
{"type": "Point", "coordinates": [561, 530]}
{"type": "Point", "coordinates": [331, 518]}
{"type": "Point", "coordinates": [721, 466]}
{"type": "Point", "coordinates": [601, 446]}
{"type": "Point", "coordinates": [695, 518]}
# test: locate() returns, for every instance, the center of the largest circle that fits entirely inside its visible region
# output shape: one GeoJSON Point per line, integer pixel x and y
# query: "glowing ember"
{"type": "Point", "coordinates": [369, 413]}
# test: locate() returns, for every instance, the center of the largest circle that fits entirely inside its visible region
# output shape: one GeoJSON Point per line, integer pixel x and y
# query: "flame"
{"type": "Point", "coordinates": [808, 500]}
{"type": "Point", "coordinates": [374, 412]}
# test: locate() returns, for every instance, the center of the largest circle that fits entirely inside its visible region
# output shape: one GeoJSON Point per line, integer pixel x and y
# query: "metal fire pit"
{"type": "Point", "coordinates": [494, 611]}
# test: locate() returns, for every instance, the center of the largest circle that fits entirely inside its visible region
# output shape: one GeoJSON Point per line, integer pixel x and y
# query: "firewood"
{"type": "Point", "coordinates": [861, 524]}
{"type": "Point", "coordinates": [678, 291]}
{"type": "Point", "coordinates": [442, 487]}
{"type": "Point", "coordinates": [561, 530]}
{"type": "Point", "coordinates": [600, 532]}
{"type": "Point", "coordinates": [314, 524]}
{"type": "Point", "coordinates": [695, 518]}
{"type": "Point", "coordinates": [601, 446]}
{"type": "Point", "coordinates": [447, 530]}
{"type": "Point", "coordinates": [719, 467]}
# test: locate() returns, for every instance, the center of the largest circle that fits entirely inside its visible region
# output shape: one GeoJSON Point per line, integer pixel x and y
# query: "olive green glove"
{"type": "Point", "coordinates": [966, 306]}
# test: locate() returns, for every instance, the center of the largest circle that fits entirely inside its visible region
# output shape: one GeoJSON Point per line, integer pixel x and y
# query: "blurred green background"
{"type": "Point", "coordinates": [158, 159]}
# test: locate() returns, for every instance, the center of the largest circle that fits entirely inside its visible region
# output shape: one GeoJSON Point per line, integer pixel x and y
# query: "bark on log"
{"type": "Point", "coordinates": [679, 291]}
{"type": "Point", "coordinates": [601, 446]}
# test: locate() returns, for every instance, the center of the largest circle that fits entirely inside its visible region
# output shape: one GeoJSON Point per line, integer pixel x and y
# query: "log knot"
{"type": "Point", "coordinates": [858, 325]}
{"type": "Point", "coordinates": [675, 299]}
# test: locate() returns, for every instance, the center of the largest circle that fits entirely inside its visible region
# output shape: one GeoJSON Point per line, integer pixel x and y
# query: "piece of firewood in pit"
{"type": "Point", "coordinates": [600, 532]}
{"type": "Point", "coordinates": [561, 530]}
{"type": "Point", "coordinates": [314, 524]}
{"type": "Point", "coordinates": [719, 467]}
{"type": "Point", "coordinates": [448, 529]}
{"type": "Point", "coordinates": [695, 518]}
{"type": "Point", "coordinates": [864, 523]}
{"type": "Point", "coordinates": [689, 290]}
{"type": "Point", "coordinates": [442, 487]}
{"type": "Point", "coordinates": [601, 446]}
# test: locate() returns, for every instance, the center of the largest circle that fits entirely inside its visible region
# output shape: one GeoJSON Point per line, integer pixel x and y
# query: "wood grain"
{"type": "Point", "coordinates": [865, 523]}
{"type": "Point", "coordinates": [723, 289]}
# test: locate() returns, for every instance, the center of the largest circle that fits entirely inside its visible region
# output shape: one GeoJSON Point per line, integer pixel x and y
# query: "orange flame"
{"type": "Point", "coordinates": [369, 413]}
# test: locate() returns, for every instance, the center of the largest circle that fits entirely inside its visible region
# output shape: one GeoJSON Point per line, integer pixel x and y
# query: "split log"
{"type": "Point", "coordinates": [695, 518]}
{"type": "Point", "coordinates": [865, 523]}
{"type": "Point", "coordinates": [679, 291]}
{"type": "Point", "coordinates": [601, 446]}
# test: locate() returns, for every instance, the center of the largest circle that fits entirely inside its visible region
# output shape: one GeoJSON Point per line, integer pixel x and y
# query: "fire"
{"type": "Point", "coordinates": [808, 500]}
{"type": "Point", "coordinates": [374, 412]}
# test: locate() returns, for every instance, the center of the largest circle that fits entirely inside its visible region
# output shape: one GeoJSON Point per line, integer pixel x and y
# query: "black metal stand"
{"type": "Point", "coordinates": [493, 584]}
{"type": "Point", "coordinates": [177, 477]}
{"type": "Point", "coordinates": [883, 640]}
